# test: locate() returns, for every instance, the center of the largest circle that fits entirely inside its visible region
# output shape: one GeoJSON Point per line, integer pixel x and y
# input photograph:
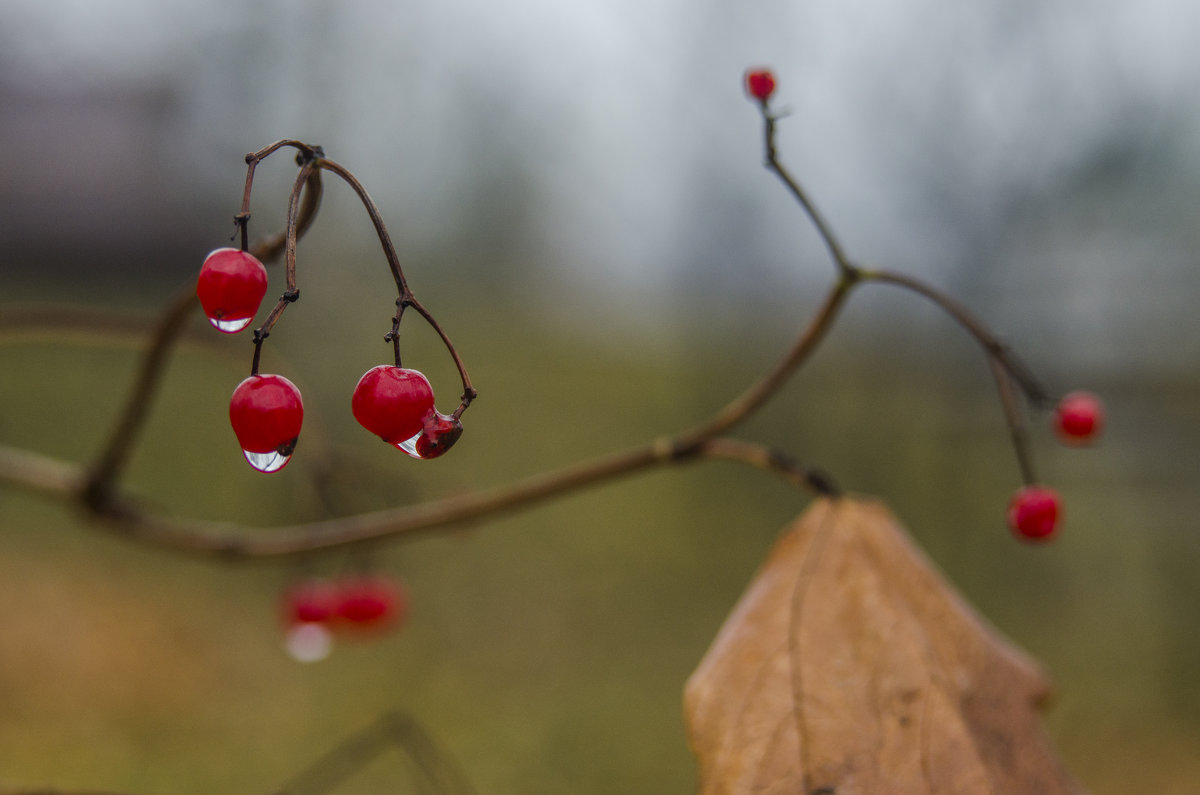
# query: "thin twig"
{"type": "Point", "coordinates": [759, 392]}
{"type": "Point", "coordinates": [845, 266]}
{"type": "Point", "coordinates": [1015, 419]}
{"type": "Point", "coordinates": [770, 459]}
{"type": "Point", "coordinates": [406, 297]}
{"type": "Point", "coordinates": [995, 349]}
{"type": "Point", "coordinates": [116, 452]}
{"type": "Point", "coordinates": [393, 730]}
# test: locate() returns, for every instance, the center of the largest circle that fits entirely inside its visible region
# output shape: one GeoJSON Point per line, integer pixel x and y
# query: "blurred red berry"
{"type": "Point", "coordinates": [309, 602]}
{"type": "Point", "coordinates": [372, 602]}
{"type": "Point", "coordinates": [1079, 418]}
{"type": "Point", "coordinates": [1033, 513]}
{"type": "Point", "coordinates": [307, 610]}
{"type": "Point", "coordinates": [760, 84]}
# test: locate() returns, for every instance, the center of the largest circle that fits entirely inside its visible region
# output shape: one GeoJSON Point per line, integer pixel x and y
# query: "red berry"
{"type": "Point", "coordinates": [392, 402]}
{"type": "Point", "coordinates": [266, 413]}
{"type": "Point", "coordinates": [440, 433]}
{"type": "Point", "coordinates": [760, 84]}
{"type": "Point", "coordinates": [1033, 513]}
{"type": "Point", "coordinates": [231, 286]}
{"type": "Point", "coordinates": [1079, 418]}
{"type": "Point", "coordinates": [309, 602]}
{"type": "Point", "coordinates": [372, 602]}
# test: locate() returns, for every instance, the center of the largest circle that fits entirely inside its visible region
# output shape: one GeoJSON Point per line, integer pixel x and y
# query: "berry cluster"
{"type": "Point", "coordinates": [266, 411]}
{"type": "Point", "coordinates": [315, 611]}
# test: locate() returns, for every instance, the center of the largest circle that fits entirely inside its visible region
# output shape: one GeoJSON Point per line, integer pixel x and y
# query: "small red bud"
{"type": "Point", "coordinates": [760, 84]}
{"type": "Point", "coordinates": [1078, 418]}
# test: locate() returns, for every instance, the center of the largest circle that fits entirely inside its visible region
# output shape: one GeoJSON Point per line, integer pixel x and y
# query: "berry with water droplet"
{"type": "Point", "coordinates": [308, 610]}
{"type": "Point", "coordinates": [393, 403]}
{"type": "Point", "coordinates": [372, 602]}
{"type": "Point", "coordinates": [231, 287]}
{"type": "Point", "coordinates": [1033, 513]}
{"type": "Point", "coordinates": [309, 602]}
{"type": "Point", "coordinates": [760, 84]}
{"type": "Point", "coordinates": [1078, 418]}
{"type": "Point", "coordinates": [440, 433]}
{"type": "Point", "coordinates": [266, 413]}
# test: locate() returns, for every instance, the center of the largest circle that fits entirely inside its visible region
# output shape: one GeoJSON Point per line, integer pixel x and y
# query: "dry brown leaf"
{"type": "Point", "coordinates": [850, 666]}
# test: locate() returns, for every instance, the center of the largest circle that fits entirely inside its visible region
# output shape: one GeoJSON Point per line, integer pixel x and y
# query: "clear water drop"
{"type": "Point", "coordinates": [308, 642]}
{"type": "Point", "coordinates": [267, 462]}
{"type": "Point", "coordinates": [409, 446]}
{"type": "Point", "coordinates": [231, 326]}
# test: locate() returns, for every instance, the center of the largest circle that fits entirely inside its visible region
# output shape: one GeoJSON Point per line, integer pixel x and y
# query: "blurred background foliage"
{"type": "Point", "coordinates": [577, 194]}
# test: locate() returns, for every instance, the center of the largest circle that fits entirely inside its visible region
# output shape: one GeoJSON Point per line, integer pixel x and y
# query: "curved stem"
{"type": "Point", "coordinates": [306, 151]}
{"type": "Point", "coordinates": [758, 393]}
{"type": "Point", "coordinates": [242, 219]}
{"type": "Point", "coordinates": [385, 239]}
{"type": "Point", "coordinates": [771, 460]}
{"type": "Point", "coordinates": [290, 235]}
{"type": "Point", "coordinates": [1014, 418]}
{"type": "Point", "coordinates": [469, 392]}
{"type": "Point", "coordinates": [992, 345]}
{"type": "Point", "coordinates": [406, 295]}
{"type": "Point", "coordinates": [116, 452]}
{"type": "Point", "coordinates": [270, 247]}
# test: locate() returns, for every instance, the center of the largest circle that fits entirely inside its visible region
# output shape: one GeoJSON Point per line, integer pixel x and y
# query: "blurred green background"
{"type": "Point", "coordinates": [547, 650]}
{"type": "Point", "coordinates": [577, 195]}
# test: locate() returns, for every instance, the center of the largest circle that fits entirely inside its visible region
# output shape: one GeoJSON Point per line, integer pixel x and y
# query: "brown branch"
{"type": "Point", "coordinates": [385, 239]}
{"type": "Point", "coordinates": [394, 730]}
{"type": "Point", "coordinates": [127, 519]}
{"type": "Point", "coordinates": [228, 541]}
{"type": "Point", "coordinates": [102, 478]}
{"type": "Point", "coordinates": [845, 266]}
{"type": "Point", "coordinates": [992, 345]}
{"type": "Point", "coordinates": [1015, 419]}
{"type": "Point", "coordinates": [271, 247]}
{"type": "Point", "coordinates": [772, 460]}
{"type": "Point", "coordinates": [758, 393]}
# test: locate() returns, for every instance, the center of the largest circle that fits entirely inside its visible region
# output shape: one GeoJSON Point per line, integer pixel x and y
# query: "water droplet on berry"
{"type": "Point", "coordinates": [272, 461]}
{"type": "Point", "coordinates": [409, 446]}
{"type": "Point", "coordinates": [440, 433]}
{"type": "Point", "coordinates": [231, 326]}
{"type": "Point", "coordinates": [308, 642]}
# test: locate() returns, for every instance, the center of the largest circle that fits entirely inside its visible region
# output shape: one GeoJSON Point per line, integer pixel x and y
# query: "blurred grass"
{"type": "Point", "coordinates": [547, 649]}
